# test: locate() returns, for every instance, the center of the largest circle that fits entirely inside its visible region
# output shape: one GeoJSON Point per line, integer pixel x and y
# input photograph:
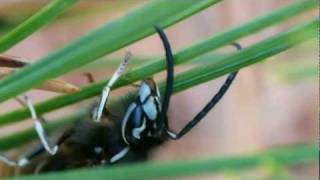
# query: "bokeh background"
{"type": "Point", "coordinates": [270, 104]}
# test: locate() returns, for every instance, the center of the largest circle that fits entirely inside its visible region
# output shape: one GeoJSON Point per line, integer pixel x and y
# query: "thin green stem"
{"type": "Point", "coordinates": [34, 23]}
{"type": "Point", "coordinates": [247, 56]}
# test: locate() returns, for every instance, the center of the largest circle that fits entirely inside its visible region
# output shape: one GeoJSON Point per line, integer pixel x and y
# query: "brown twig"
{"type": "Point", "coordinates": [54, 85]}
{"type": "Point", "coordinates": [12, 61]}
{"type": "Point", "coordinates": [89, 77]}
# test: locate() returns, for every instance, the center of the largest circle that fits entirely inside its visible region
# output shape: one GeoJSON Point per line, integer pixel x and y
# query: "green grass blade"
{"type": "Point", "coordinates": [34, 23]}
{"type": "Point", "coordinates": [180, 57]}
{"type": "Point", "coordinates": [113, 63]}
{"type": "Point", "coordinates": [286, 156]}
{"type": "Point", "coordinates": [102, 41]}
{"type": "Point", "coordinates": [247, 56]}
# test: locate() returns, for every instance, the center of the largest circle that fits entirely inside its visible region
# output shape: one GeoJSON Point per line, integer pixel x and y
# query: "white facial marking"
{"type": "Point", "coordinates": [137, 131]}
{"type": "Point", "coordinates": [144, 91]}
{"type": "Point", "coordinates": [149, 107]}
{"type": "Point", "coordinates": [157, 91]}
{"type": "Point", "coordinates": [125, 121]}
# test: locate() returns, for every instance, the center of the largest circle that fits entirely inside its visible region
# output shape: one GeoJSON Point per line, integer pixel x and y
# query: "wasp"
{"type": "Point", "coordinates": [125, 131]}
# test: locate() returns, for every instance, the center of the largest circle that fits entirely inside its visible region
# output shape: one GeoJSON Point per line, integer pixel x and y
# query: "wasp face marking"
{"type": "Point", "coordinates": [137, 131]}
{"type": "Point", "coordinates": [140, 120]}
{"type": "Point", "coordinates": [144, 91]}
{"type": "Point", "coordinates": [150, 108]}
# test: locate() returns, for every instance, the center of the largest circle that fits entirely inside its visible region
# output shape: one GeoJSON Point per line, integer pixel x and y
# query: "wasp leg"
{"type": "Point", "coordinates": [39, 149]}
{"type": "Point", "coordinates": [20, 163]}
{"type": "Point", "coordinates": [36, 151]}
{"type": "Point", "coordinates": [216, 98]}
{"type": "Point", "coordinates": [38, 127]}
{"type": "Point", "coordinates": [120, 155]}
{"type": "Point", "coordinates": [22, 102]}
{"type": "Point", "coordinates": [106, 90]}
{"type": "Point", "coordinates": [24, 160]}
{"type": "Point", "coordinates": [8, 161]}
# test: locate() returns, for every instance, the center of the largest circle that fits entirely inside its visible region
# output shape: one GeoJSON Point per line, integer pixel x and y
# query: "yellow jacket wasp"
{"type": "Point", "coordinates": [123, 132]}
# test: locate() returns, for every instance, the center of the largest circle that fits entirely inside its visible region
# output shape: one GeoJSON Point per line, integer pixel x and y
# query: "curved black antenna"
{"type": "Point", "coordinates": [216, 98]}
{"type": "Point", "coordinates": [170, 76]}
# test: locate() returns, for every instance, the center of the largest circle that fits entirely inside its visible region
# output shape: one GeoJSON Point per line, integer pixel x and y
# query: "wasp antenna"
{"type": "Point", "coordinates": [106, 90]}
{"type": "Point", "coordinates": [170, 76]}
{"type": "Point", "coordinates": [215, 99]}
{"type": "Point", "coordinates": [12, 61]}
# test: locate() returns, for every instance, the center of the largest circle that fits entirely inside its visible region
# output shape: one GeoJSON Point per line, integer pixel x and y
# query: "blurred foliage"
{"type": "Point", "coordinates": [83, 9]}
{"type": "Point", "coordinates": [296, 72]}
